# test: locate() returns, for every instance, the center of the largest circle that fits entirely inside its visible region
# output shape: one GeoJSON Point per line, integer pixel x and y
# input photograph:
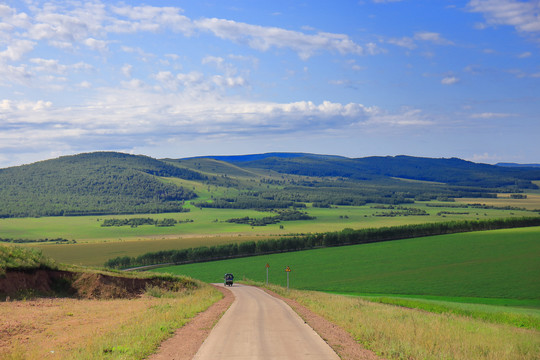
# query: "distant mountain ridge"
{"type": "Point", "coordinates": [255, 157]}
{"type": "Point", "coordinates": [446, 170]}
{"type": "Point", "coordinates": [518, 165]}
{"type": "Point", "coordinates": [119, 183]}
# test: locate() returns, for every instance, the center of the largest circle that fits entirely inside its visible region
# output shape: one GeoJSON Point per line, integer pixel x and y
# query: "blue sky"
{"type": "Point", "coordinates": [352, 78]}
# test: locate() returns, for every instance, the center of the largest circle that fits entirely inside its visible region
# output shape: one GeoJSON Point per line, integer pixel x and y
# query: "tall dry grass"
{"type": "Point", "coordinates": [399, 333]}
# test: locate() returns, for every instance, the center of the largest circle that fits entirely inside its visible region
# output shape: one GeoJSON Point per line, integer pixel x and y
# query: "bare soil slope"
{"type": "Point", "coordinates": [24, 284]}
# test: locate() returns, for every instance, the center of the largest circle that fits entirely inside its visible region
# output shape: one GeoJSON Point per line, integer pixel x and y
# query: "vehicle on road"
{"type": "Point", "coordinates": [228, 279]}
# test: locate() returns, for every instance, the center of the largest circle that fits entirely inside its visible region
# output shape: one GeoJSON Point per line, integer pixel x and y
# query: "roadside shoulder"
{"type": "Point", "coordinates": [341, 341]}
{"type": "Point", "coordinates": [187, 340]}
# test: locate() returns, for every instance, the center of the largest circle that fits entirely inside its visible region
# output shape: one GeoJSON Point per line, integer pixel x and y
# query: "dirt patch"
{"type": "Point", "coordinates": [188, 339]}
{"type": "Point", "coordinates": [47, 328]}
{"type": "Point", "coordinates": [35, 283]}
{"type": "Point", "coordinates": [23, 283]}
{"type": "Point", "coordinates": [341, 341]}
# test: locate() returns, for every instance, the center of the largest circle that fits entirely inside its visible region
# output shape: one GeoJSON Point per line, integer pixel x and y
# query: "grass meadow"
{"type": "Point", "coordinates": [96, 244]}
{"type": "Point", "coordinates": [395, 332]}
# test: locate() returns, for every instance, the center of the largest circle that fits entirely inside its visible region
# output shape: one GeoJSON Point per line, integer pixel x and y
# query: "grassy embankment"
{"type": "Point", "coordinates": [95, 244]}
{"type": "Point", "coordinates": [400, 333]}
{"type": "Point", "coordinates": [475, 295]}
{"type": "Point", "coordinates": [69, 328]}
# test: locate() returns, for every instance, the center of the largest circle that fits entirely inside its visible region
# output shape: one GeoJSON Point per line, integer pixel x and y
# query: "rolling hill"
{"type": "Point", "coordinates": [93, 183]}
{"type": "Point", "coordinates": [451, 171]}
{"type": "Point", "coordinates": [117, 183]}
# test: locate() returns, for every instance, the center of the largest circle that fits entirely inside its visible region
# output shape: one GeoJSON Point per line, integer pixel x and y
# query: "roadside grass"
{"type": "Point", "coordinates": [399, 333]}
{"type": "Point", "coordinates": [520, 317]}
{"type": "Point", "coordinates": [99, 329]}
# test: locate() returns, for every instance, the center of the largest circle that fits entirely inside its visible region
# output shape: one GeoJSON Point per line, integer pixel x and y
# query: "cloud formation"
{"type": "Point", "coordinates": [523, 15]}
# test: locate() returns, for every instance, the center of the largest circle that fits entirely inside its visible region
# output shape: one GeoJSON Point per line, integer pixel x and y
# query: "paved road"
{"type": "Point", "coordinates": [258, 326]}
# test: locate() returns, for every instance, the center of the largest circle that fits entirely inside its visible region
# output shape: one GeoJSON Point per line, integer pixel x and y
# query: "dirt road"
{"type": "Point", "coordinates": [259, 326]}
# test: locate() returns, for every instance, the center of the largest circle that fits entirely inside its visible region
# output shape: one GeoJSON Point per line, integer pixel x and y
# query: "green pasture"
{"type": "Point", "coordinates": [489, 264]}
{"type": "Point", "coordinates": [212, 221]}
{"type": "Point", "coordinates": [490, 275]}
{"type": "Point", "coordinates": [97, 244]}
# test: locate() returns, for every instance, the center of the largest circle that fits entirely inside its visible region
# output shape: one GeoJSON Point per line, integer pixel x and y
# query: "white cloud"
{"type": "Point", "coordinates": [10, 75]}
{"type": "Point", "coordinates": [410, 42]}
{"type": "Point", "coordinates": [136, 111]}
{"type": "Point", "coordinates": [485, 158]}
{"type": "Point", "coordinates": [228, 81]}
{"type": "Point", "coordinates": [263, 38]}
{"type": "Point", "coordinates": [48, 65]}
{"type": "Point", "coordinates": [97, 45]}
{"type": "Point", "coordinates": [433, 37]}
{"type": "Point", "coordinates": [490, 115]}
{"type": "Point", "coordinates": [126, 70]}
{"type": "Point", "coordinates": [85, 84]}
{"type": "Point", "coordinates": [449, 80]}
{"type": "Point", "coordinates": [523, 15]}
{"type": "Point", "coordinates": [405, 117]}
{"type": "Point", "coordinates": [405, 42]}
{"type": "Point", "coordinates": [149, 18]}
{"type": "Point", "coordinates": [16, 50]}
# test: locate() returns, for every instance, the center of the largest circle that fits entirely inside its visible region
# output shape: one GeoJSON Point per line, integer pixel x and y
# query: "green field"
{"type": "Point", "coordinates": [212, 221]}
{"type": "Point", "coordinates": [96, 244]}
{"type": "Point", "coordinates": [489, 264]}
{"type": "Point", "coordinates": [490, 275]}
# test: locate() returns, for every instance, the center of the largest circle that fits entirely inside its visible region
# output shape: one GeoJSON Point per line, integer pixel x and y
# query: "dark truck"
{"type": "Point", "coordinates": [228, 279]}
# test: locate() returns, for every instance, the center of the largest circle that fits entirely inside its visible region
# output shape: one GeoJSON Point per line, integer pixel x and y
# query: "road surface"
{"type": "Point", "coordinates": [258, 326]}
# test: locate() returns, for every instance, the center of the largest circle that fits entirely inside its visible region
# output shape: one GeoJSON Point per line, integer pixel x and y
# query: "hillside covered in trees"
{"type": "Point", "coordinates": [95, 183]}
{"type": "Point", "coordinates": [117, 183]}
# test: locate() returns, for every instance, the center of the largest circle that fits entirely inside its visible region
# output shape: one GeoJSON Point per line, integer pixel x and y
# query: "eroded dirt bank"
{"type": "Point", "coordinates": [57, 283]}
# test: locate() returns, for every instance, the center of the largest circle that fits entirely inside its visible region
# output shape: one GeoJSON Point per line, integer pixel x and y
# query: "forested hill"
{"type": "Point", "coordinates": [450, 171]}
{"type": "Point", "coordinates": [117, 183]}
{"type": "Point", "coordinates": [92, 183]}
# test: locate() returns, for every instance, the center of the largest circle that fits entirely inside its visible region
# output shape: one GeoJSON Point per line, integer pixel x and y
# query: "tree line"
{"type": "Point", "coordinates": [283, 215]}
{"type": "Point", "coordinates": [312, 241]}
{"type": "Point", "coordinates": [134, 222]}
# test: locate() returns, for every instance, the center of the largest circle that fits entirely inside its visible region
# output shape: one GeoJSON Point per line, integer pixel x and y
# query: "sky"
{"type": "Point", "coordinates": [174, 79]}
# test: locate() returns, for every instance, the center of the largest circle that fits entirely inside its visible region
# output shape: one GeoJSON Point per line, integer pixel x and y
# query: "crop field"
{"type": "Point", "coordinates": [96, 253]}
{"type": "Point", "coordinates": [492, 276]}
{"type": "Point", "coordinates": [532, 202]}
{"type": "Point", "coordinates": [501, 264]}
{"type": "Point", "coordinates": [212, 221]}
{"type": "Point", "coordinates": [207, 227]}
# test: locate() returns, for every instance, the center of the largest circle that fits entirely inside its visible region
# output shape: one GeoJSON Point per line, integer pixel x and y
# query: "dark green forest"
{"type": "Point", "coordinates": [95, 183]}
{"type": "Point", "coordinates": [116, 183]}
